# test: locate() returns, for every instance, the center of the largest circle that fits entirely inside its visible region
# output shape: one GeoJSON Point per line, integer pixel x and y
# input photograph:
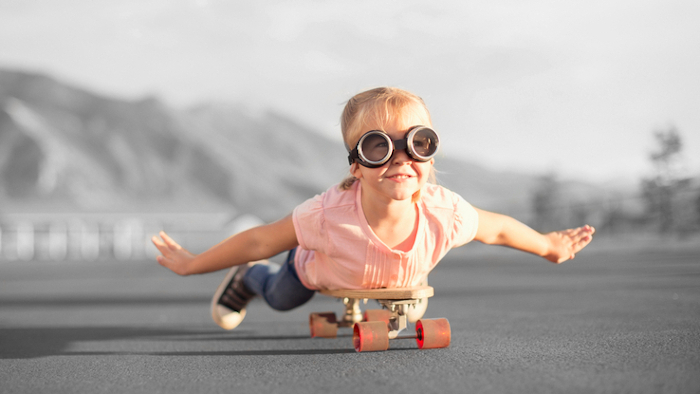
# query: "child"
{"type": "Point", "coordinates": [384, 226]}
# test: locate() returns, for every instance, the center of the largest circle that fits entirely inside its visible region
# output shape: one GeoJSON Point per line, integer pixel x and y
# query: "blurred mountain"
{"type": "Point", "coordinates": [70, 149]}
{"type": "Point", "coordinates": [65, 148]}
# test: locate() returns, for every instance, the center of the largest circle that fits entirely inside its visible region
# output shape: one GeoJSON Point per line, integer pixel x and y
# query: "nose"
{"type": "Point", "coordinates": [400, 157]}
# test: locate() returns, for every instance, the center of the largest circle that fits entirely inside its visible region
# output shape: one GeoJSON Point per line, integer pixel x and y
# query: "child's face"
{"type": "Point", "coordinates": [401, 177]}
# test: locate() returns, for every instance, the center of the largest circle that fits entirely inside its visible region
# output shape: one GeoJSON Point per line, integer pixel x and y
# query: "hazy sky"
{"type": "Point", "coordinates": [573, 87]}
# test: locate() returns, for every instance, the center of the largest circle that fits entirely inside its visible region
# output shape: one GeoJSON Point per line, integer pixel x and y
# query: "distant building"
{"type": "Point", "coordinates": [121, 236]}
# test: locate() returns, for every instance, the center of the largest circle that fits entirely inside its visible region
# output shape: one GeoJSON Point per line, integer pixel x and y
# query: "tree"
{"type": "Point", "coordinates": [697, 211]}
{"type": "Point", "coordinates": [545, 201]}
{"type": "Point", "coordinates": [659, 190]}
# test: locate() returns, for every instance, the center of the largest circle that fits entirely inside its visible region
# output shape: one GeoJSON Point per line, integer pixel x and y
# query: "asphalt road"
{"type": "Point", "coordinates": [610, 321]}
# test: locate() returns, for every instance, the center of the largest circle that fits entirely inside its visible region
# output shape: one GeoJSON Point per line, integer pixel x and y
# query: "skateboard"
{"type": "Point", "coordinates": [372, 330]}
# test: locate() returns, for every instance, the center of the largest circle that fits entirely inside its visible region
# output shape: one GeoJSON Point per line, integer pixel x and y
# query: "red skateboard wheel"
{"type": "Point", "coordinates": [323, 325]}
{"type": "Point", "coordinates": [370, 336]}
{"type": "Point", "coordinates": [377, 315]}
{"type": "Point", "coordinates": [433, 333]}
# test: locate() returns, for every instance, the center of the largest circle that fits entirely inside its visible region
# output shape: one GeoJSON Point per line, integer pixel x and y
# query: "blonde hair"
{"type": "Point", "coordinates": [383, 105]}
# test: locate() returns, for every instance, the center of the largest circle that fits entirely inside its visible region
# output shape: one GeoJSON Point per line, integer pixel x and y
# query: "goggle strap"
{"type": "Point", "coordinates": [352, 156]}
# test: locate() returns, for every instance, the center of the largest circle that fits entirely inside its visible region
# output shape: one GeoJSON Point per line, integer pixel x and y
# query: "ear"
{"type": "Point", "coordinates": [355, 170]}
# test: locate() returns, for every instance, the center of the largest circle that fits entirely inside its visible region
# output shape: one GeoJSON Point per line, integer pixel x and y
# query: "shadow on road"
{"type": "Point", "coordinates": [78, 301]}
{"type": "Point", "coordinates": [286, 352]}
{"type": "Point", "coordinates": [23, 343]}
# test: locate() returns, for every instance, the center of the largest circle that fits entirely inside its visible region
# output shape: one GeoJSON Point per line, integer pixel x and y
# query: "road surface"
{"type": "Point", "coordinates": [610, 321]}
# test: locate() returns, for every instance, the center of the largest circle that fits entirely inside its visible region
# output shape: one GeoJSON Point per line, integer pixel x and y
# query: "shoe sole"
{"type": "Point", "coordinates": [223, 316]}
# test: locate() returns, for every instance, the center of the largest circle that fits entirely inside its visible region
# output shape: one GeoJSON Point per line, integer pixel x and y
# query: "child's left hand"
{"type": "Point", "coordinates": [563, 245]}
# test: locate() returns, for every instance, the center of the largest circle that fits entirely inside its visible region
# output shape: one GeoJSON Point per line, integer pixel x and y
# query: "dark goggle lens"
{"type": "Point", "coordinates": [425, 143]}
{"type": "Point", "coordinates": [375, 147]}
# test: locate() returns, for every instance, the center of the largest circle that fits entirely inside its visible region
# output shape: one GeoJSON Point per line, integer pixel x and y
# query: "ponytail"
{"type": "Point", "coordinates": [347, 183]}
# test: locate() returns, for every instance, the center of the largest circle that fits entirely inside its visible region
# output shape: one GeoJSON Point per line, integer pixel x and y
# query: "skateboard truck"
{"type": "Point", "coordinates": [353, 313]}
{"type": "Point", "coordinates": [399, 319]}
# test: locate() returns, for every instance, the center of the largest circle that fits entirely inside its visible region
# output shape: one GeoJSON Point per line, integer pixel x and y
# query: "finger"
{"type": "Point", "coordinates": [163, 248]}
{"type": "Point", "coordinates": [588, 229]}
{"type": "Point", "coordinates": [580, 230]}
{"type": "Point", "coordinates": [581, 243]}
{"type": "Point", "coordinates": [573, 233]}
{"type": "Point", "coordinates": [156, 241]}
{"type": "Point", "coordinates": [565, 258]}
{"type": "Point", "coordinates": [583, 233]}
{"type": "Point", "coordinates": [164, 261]}
{"type": "Point", "coordinates": [169, 241]}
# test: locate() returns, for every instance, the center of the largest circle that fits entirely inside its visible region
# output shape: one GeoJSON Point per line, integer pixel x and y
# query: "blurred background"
{"type": "Point", "coordinates": [118, 119]}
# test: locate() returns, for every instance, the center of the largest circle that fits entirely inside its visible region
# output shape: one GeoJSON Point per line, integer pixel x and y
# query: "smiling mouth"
{"type": "Point", "coordinates": [400, 177]}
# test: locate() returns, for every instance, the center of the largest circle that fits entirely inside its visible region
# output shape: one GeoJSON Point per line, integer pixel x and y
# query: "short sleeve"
{"type": "Point", "coordinates": [466, 222]}
{"type": "Point", "coordinates": [309, 223]}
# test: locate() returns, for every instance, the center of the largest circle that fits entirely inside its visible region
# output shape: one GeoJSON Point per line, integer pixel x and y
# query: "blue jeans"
{"type": "Point", "coordinates": [279, 286]}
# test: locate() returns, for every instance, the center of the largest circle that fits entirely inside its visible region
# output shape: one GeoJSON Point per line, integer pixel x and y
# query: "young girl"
{"type": "Point", "coordinates": [387, 225]}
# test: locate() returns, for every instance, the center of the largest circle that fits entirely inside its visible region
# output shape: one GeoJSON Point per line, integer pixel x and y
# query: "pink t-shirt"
{"type": "Point", "coordinates": [339, 250]}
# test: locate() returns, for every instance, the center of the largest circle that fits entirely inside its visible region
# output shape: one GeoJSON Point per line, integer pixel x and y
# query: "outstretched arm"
{"type": "Point", "coordinates": [557, 246]}
{"type": "Point", "coordinates": [255, 244]}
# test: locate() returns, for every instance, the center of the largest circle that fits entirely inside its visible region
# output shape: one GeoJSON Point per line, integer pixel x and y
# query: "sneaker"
{"type": "Point", "coordinates": [228, 306]}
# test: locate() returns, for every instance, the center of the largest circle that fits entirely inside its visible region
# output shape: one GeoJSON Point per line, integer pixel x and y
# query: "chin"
{"type": "Point", "coordinates": [407, 195]}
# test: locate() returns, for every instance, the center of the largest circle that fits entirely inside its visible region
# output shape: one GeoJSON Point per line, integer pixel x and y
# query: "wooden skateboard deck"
{"type": "Point", "coordinates": [407, 293]}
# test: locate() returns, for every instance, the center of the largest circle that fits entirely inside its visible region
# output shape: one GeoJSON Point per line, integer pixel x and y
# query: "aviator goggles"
{"type": "Point", "coordinates": [375, 148]}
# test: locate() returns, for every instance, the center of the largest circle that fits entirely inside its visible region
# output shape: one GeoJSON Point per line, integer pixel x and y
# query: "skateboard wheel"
{"type": "Point", "coordinates": [370, 336]}
{"type": "Point", "coordinates": [377, 315]}
{"type": "Point", "coordinates": [323, 325]}
{"type": "Point", "coordinates": [433, 333]}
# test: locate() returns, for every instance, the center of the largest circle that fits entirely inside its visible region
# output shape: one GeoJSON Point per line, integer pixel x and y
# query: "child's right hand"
{"type": "Point", "coordinates": [174, 257]}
